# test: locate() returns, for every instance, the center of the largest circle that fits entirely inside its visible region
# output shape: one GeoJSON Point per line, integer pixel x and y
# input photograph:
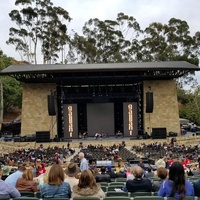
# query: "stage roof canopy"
{"type": "Point", "coordinates": [89, 73]}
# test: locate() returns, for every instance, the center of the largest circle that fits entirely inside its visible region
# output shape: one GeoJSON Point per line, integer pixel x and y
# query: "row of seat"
{"type": "Point", "coordinates": [111, 198]}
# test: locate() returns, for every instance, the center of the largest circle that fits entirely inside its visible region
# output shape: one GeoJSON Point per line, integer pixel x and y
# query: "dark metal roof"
{"type": "Point", "coordinates": [103, 73]}
{"type": "Point", "coordinates": [57, 68]}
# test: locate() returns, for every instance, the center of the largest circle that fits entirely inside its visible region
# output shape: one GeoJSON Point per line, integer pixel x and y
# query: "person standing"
{"type": "Point", "coordinates": [84, 163]}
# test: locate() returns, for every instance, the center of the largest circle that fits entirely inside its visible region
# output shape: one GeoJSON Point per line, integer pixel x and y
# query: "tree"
{"type": "Point", "coordinates": [12, 89]}
{"type": "Point", "coordinates": [105, 41]}
{"type": "Point", "coordinates": [38, 22]}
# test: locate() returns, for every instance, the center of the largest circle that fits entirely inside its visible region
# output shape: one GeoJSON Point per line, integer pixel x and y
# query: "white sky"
{"type": "Point", "coordinates": [144, 11]}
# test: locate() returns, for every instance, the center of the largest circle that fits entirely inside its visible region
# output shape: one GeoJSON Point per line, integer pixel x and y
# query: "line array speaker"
{"type": "Point", "coordinates": [51, 105]}
{"type": "Point", "coordinates": [42, 136]}
{"type": "Point", "coordinates": [149, 102]}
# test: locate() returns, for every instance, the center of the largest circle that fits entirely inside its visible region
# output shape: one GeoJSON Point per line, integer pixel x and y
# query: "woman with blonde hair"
{"type": "Point", "coordinates": [26, 183]}
{"type": "Point", "coordinates": [55, 186]}
{"type": "Point", "coordinates": [87, 186]}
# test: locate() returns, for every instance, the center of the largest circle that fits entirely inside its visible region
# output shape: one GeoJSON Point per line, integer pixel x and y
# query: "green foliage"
{"type": "Point", "coordinates": [12, 93]}
{"type": "Point", "coordinates": [190, 103]}
{"type": "Point", "coordinates": [41, 26]}
{"type": "Point", "coordinates": [12, 89]}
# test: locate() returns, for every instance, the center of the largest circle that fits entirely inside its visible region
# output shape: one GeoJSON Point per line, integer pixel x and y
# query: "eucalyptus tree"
{"type": "Point", "coordinates": [105, 41]}
{"type": "Point", "coordinates": [170, 41]}
{"type": "Point", "coordinates": [40, 27]}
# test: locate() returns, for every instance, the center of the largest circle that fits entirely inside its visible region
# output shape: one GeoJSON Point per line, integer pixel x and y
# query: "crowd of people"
{"type": "Point", "coordinates": [52, 177]}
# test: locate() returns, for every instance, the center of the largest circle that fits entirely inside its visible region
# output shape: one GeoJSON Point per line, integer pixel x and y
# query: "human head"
{"type": "Point", "coordinates": [81, 155]}
{"type": "Point", "coordinates": [103, 169]}
{"type": "Point", "coordinates": [162, 173]}
{"type": "Point", "coordinates": [87, 179]}
{"type": "Point", "coordinates": [27, 175]}
{"type": "Point", "coordinates": [138, 172]}
{"type": "Point", "coordinates": [6, 170]}
{"type": "Point", "coordinates": [56, 175]}
{"type": "Point", "coordinates": [108, 167]}
{"type": "Point", "coordinates": [21, 168]}
{"type": "Point", "coordinates": [72, 169]}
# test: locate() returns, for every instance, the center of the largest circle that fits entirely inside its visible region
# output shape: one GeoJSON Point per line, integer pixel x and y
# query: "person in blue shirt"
{"type": "Point", "coordinates": [12, 178]}
{"type": "Point", "coordinates": [84, 163]}
{"type": "Point", "coordinates": [176, 185]}
{"type": "Point", "coordinates": [7, 191]}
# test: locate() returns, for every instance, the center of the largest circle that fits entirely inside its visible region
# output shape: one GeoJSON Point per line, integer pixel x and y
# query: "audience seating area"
{"type": "Point", "coordinates": [110, 198]}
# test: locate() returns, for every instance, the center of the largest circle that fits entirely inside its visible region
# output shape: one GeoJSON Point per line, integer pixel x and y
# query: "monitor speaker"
{"type": "Point", "coordinates": [42, 136]}
{"type": "Point", "coordinates": [159, 133]}
{"type": "Point", "coordinates": [149, 102]}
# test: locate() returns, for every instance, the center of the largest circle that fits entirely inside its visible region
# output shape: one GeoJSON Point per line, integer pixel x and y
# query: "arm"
{"type": "Point", "coordinates": [13, 192]}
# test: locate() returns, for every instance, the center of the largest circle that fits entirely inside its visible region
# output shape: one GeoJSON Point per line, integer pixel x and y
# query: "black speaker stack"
{"type": "Point", "coordinates": [42, 136]}
{"type": "Point", "coordinates": [149, 102]}
{"type": "Point", "coordinates": [51, 105]}
{"type": "Point", "coordinates": [159, 133]}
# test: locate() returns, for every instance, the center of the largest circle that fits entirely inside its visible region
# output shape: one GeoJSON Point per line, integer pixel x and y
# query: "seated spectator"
{"type": "Point", "coordinates": [110, 172]}
{"type": "Point", "coordinates": [128, 171]}
{"type": "Point", "coordinates": [26, 183]}
{"type": "Point", "coordinates": [121, 173]}
{"type": "Point", "coordinates": [5, 172]}
{"type": "Point", "coordinates": [43, 178]}
{"type": "Point", "coordinates": [7, 191]}
{"type": "Point", "coordinates": [103, 177]}
{"type": "Point", "coordinates": [87, 186]}
{"type": "Point", "coordinates": [162, 175]}
{"type": "Point", "coordinates": [72, 171]}
{"type": "Point", "coordinates": [196, 171]}
{"type": "Point", "coordinates": [176, 185]}
{"type": "Point", "coordinates": [12, 178]}
{"type": "Point", "coordinates": [196, 186]}
{"type": "Point", "coordinates": [149, 173]}
{"type": "Point", "coordinates": [41, 169]}
{"type": "Point", "coordinates": [130, 175]}
{"type": "Point", "coordinates": [56, 187]}
{"type": "Point", "coordinates": [138, 184]}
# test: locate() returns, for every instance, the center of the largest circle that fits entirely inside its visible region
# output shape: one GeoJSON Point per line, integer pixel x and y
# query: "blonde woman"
{"type": "Point", "coordinates": [87, 186]}
{"type": "Point", "coordinates": [26, 183]}
{"type": "Point", "coordinates": [55, 186]}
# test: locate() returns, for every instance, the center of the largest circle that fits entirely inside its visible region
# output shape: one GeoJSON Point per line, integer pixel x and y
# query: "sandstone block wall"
{"type": "Point", "coordinates": [35, 115]}
{"type": "Point", "coordinates": [166, 112]}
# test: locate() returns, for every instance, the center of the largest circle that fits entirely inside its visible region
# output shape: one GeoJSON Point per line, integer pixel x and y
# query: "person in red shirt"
{"type": "Point", "coordinates": [41, 169]}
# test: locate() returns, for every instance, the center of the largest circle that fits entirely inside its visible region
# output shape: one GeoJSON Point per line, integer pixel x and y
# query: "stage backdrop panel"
{"type": "Point", "coordinates": [100, 117]}
{"type": "Point", "coordinates": [130, 119]}
{"type": "Point", "coordinates": [70, 121]}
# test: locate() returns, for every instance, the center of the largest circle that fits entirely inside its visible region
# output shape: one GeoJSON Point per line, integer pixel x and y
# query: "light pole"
{"type": "Point", "coordinates": [1, 101]}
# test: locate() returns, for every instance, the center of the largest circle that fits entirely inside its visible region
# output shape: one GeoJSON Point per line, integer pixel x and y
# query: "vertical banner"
{"type": "Point", "coordinates": [70, 121]}
{"type": "Point", "coordinates": [130, 119]}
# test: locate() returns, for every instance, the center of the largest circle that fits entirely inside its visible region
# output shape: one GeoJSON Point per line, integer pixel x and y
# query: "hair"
{"type": "Point", "coordinates": [162, 172]}
{"type": "Point", "coordinates": [81, 154]}
{"type": "Point", "coordinates": [138, 172]}
{"type": "Point", "coordinates": [27, 175]}
{"type": "Point", "coordinates": [46, 174]}
{"type": "Point", "coordinates": [103, 169]}
{"type": "Point", "coordinates": [87, 180]}
{"type": "Point", "coordinates": [177, 175]}
{"type": "Point", "coordinates": [56, 175]}
{"type": "Point", "coordinates": [21, 168]}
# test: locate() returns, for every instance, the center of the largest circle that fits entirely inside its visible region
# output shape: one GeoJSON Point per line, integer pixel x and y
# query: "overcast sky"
{"type": "Point", "coordinates": [144, 11]}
